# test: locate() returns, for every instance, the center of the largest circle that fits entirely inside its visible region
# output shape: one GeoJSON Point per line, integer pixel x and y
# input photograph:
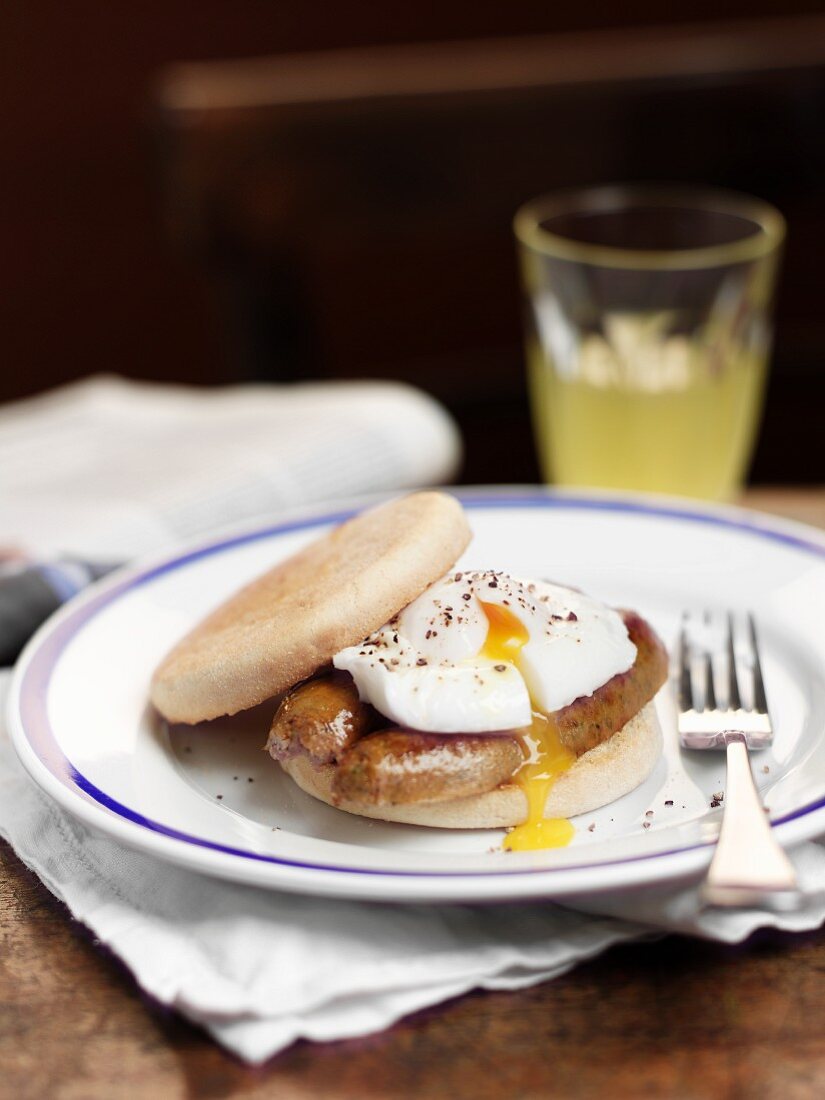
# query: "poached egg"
{"type": "Point", "coordinates": [484, 652]}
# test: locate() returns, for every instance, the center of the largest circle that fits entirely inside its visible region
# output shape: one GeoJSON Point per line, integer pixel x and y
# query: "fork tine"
{"type": "Point", "coordinates": [710, 694]}
{"type": "Point", "coordinates": [685, 682]}
{"type": "Point", "coordinates": [734, 699]}
{"type": "Point", "coordinates": [760, 702]}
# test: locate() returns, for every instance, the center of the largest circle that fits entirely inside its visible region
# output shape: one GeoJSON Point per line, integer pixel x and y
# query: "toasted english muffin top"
{"type": "Point", "coordinates": [288, 623]}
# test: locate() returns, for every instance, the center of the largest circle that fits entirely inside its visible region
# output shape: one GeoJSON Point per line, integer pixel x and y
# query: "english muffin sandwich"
{"type": "Point", "coordinates": [411, 690]}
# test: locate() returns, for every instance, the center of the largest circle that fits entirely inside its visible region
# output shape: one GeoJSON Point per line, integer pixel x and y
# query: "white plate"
{"type": "Point", "coordinates": [208, 797]}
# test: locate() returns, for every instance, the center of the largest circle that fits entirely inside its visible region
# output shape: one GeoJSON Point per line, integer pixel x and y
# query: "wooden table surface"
{"type": "Point", "coordinates": [676, 1018]}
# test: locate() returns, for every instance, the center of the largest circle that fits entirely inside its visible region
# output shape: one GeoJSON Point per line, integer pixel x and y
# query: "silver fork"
{"type": "Point", "coordinates": [748, 867]}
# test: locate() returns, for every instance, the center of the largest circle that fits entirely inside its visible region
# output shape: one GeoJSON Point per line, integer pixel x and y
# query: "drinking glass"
{"type": "Point", "coordinates": [648, 333]}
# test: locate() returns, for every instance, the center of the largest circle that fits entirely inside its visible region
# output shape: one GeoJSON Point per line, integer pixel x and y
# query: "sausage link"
{"type": "Point", "coordinates": [326, 719]}
{"type": "Point", "coordinates": [592, 719]}
{"type": "Point", "coordinates": [392, 767]}
{"type": "Point", "coordinates": [322, 718]}
{"type": "Point", "coordinates": [402, 766]}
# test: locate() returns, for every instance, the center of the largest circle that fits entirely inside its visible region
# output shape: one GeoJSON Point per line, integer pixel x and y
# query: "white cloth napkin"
{"type": "Point", "coordinates": [259, 969]}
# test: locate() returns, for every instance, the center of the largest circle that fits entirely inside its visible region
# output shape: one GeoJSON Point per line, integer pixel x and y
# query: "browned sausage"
{"type": "Point", "coordinates": [592, 719]}
{"type": "Point", "coordinates": [400, 766]}
{"type": "Point", "coordinates": [321, 718]}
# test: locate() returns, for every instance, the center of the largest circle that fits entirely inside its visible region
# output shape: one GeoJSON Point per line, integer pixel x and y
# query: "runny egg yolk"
{"type": "Point", "coordinates": [505, 635]}
{"type": "Point", "coordinates": [546, 761]}
{"type": "Point", "coordinates": [545, 756]}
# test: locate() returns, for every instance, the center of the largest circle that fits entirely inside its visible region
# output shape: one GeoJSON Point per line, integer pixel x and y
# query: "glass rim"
{"type": "Point", "coordinates": [767, 236]}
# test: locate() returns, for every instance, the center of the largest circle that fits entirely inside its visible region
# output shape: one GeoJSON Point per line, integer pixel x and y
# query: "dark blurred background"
{"type": "Point", "coordinates": [188, 196]}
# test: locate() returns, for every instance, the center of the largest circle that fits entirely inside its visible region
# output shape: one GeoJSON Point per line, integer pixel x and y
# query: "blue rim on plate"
{"type": "Point", "coordinates": [28, 697]}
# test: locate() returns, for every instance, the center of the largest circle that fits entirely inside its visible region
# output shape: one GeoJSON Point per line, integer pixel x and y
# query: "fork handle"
{"type": "Point", "coordinates": [748, 862]}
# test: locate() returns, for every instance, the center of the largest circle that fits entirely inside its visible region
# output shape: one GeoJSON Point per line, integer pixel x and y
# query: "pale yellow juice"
{"type": "Point", "coordinates": [687, 429]}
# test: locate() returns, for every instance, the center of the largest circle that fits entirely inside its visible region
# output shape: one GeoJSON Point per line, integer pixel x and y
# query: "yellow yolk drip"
{"type": "Point", "coordinates": [547, 760]}
{"type": "Point", "coordinates": [546, 757]}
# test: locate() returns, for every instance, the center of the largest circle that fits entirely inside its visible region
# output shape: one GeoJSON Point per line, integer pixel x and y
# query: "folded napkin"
{"type": "Point", "coordinates": [258, 969]}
